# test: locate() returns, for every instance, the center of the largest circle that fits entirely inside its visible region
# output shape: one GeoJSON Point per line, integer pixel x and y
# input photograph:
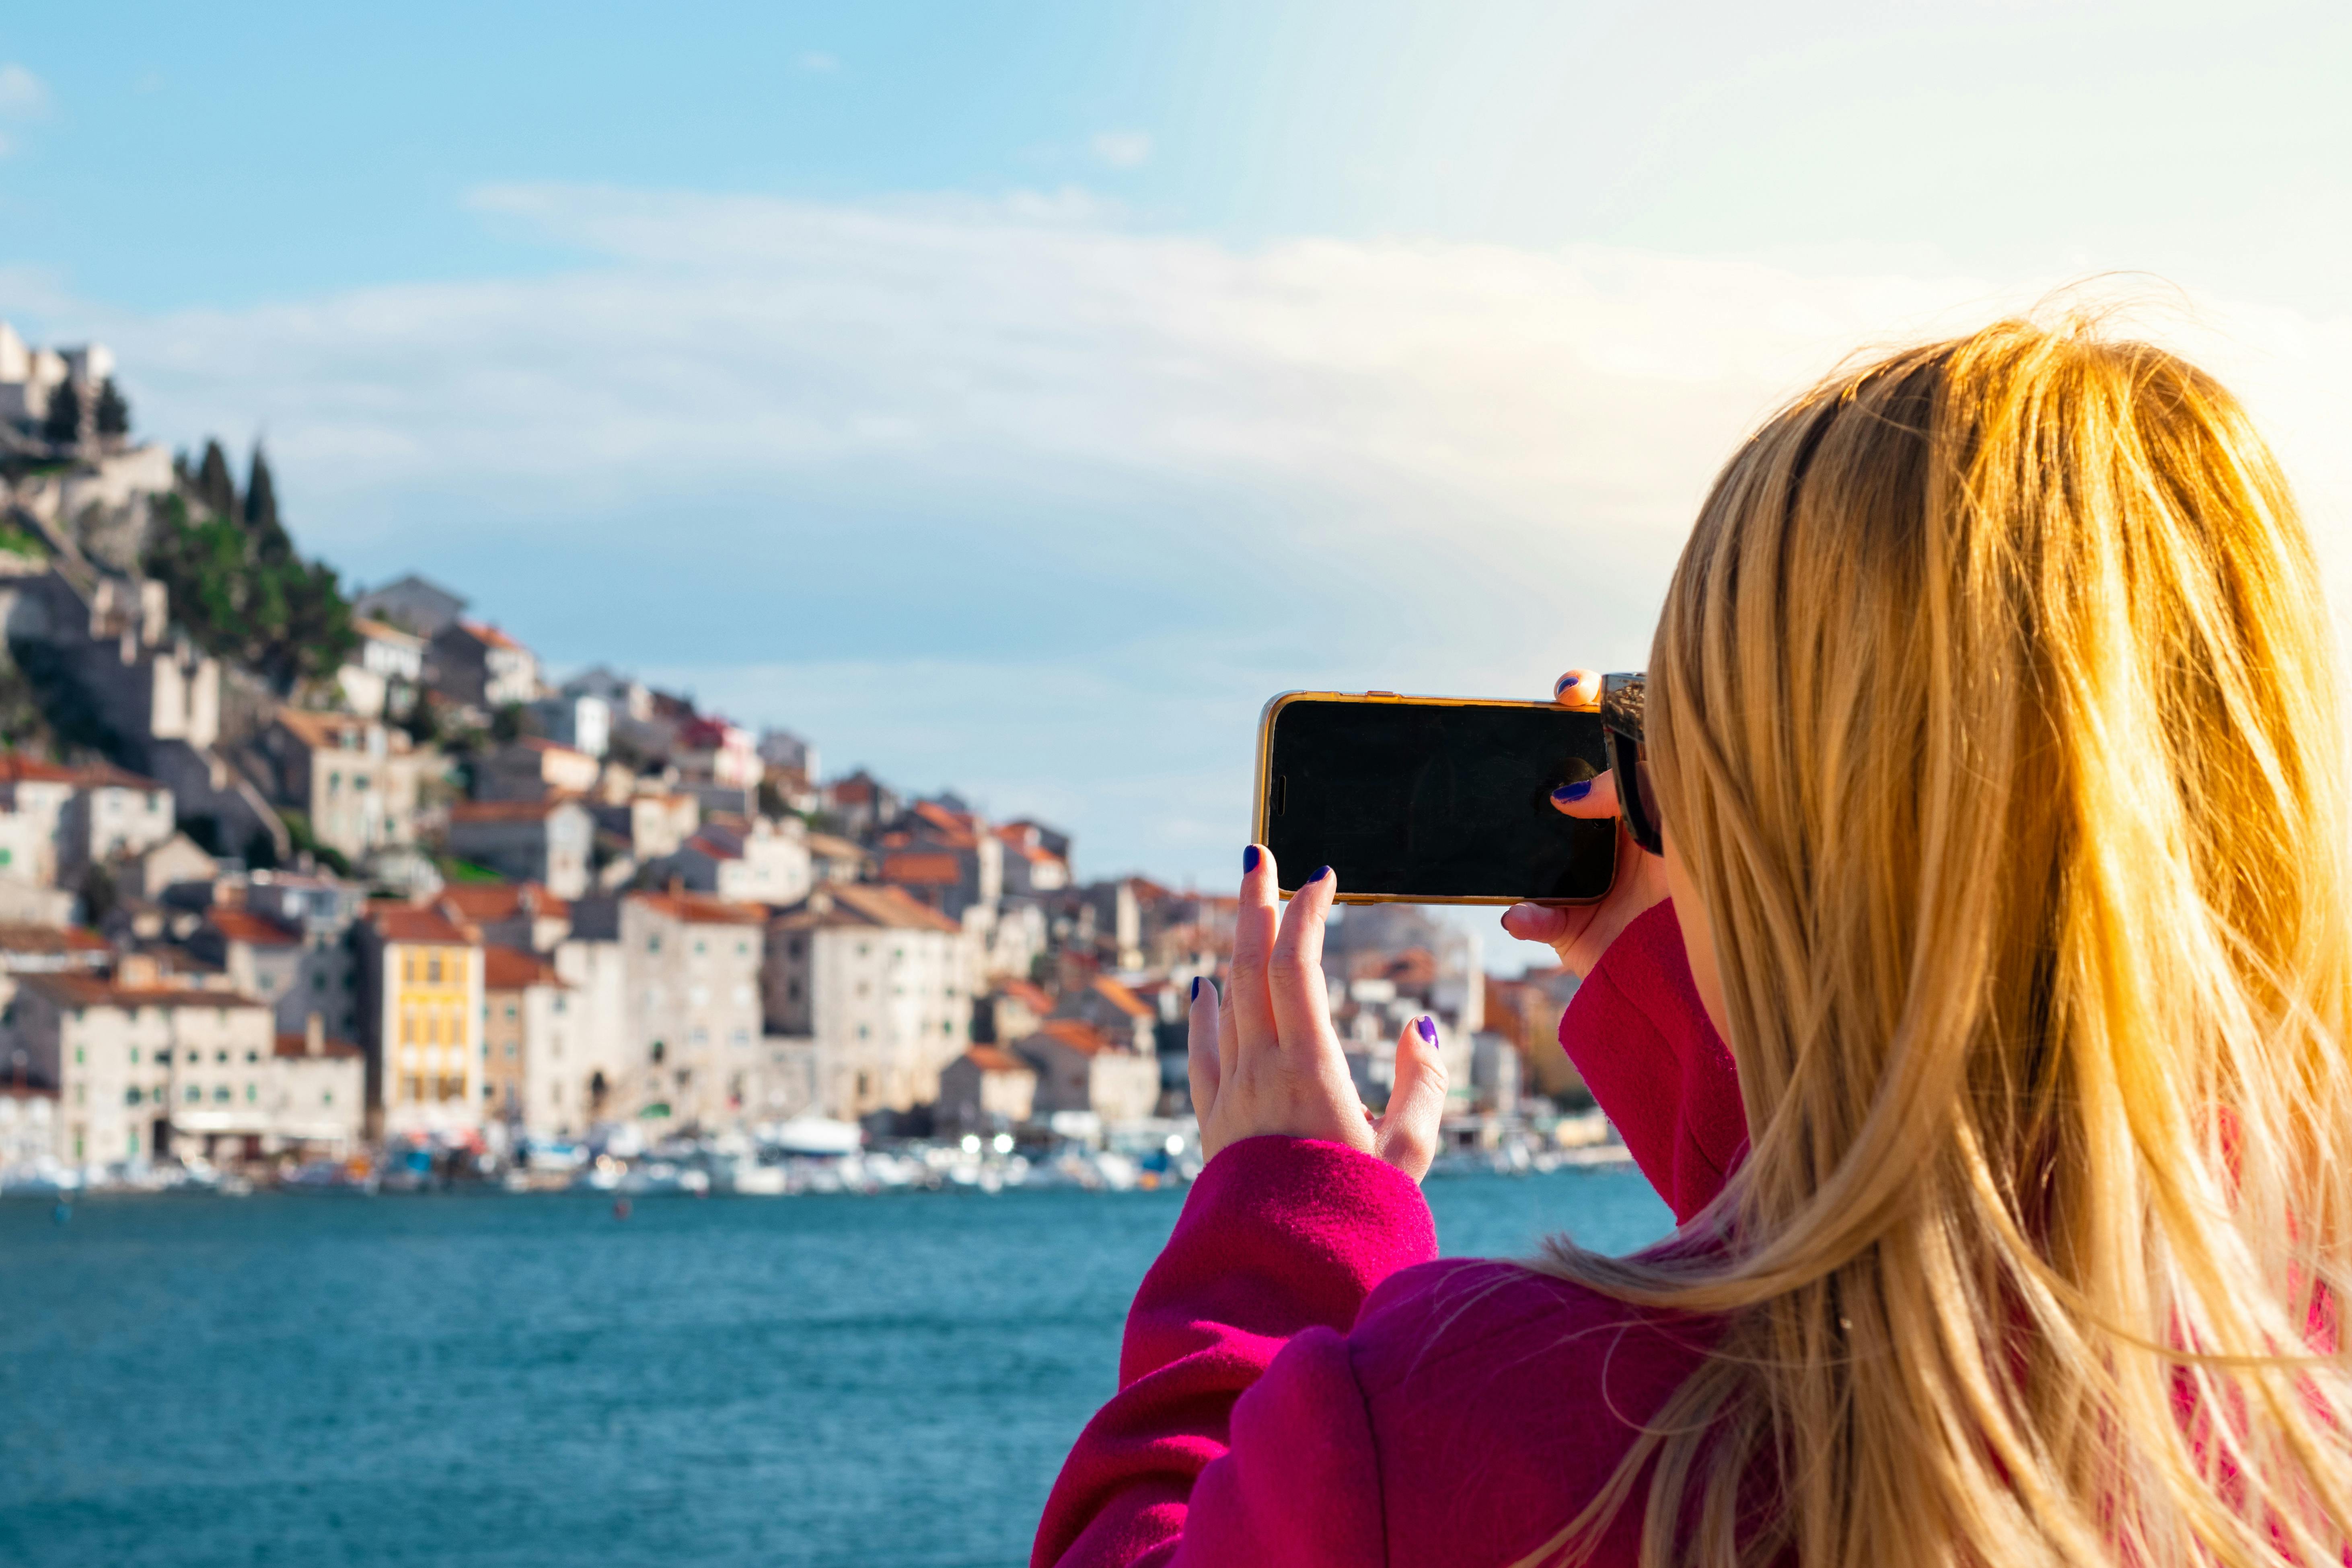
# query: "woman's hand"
{"type": "Point", "coordinates": [1264, 1059]}
{"type": "Point", "coordinates": [1580, 933]}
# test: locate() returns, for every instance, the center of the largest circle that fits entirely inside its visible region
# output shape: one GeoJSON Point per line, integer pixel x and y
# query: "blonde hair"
{"type": "Point", "coordinates": [1993, 711]}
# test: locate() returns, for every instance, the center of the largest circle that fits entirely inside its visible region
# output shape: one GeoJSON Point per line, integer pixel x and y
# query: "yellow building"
{"type": "Point", "coordinates": [422, 980]}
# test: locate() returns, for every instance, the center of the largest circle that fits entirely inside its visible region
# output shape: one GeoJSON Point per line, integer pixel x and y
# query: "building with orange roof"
{"type": "Point", "coordinates": [880, 987]}
{"type": "Point", "coordinates": [353, 781]}
{"type": "Point", "coordinates": [1084, 1073]}
{"type": "Point", "coordinates": [477, 664]}
{"type": "Point", "coordinates": [512, 914]}
{"type": "Point", "coordinates": [1033, 867]}
{"type": "Point", "coordinates": [753, 861]}
{"type": "Point", "coordinates": [380, 678]}
{"type": "Point", "coordinates": [532, 767]}
{"type": "Point", "coordinates": [692, 1006]}
{"type": "Point", "coordinates": [986, 1091]}
{"type": "Point", "coordinates": [545, 841]}
{"type": "Point", "coordinates": [531, 1057]}
{"type": "Point", "coordinates": [420, 1006]}
{"type": "Point", "coordinates": [146, 1064]}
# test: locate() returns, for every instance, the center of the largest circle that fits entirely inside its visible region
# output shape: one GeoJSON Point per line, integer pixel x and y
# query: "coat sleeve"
{"type": "Point", "coordinates": [1238, 1434]}
{"type": "Point", "coordinates": [1640, 1037]}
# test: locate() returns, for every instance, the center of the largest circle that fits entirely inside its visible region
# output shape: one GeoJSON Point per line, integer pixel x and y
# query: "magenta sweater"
{"type": "Point", "coordinates": [1304, 1384]}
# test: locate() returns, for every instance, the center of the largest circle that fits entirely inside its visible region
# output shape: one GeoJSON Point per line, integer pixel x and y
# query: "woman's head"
{"type": "Point", "coordinates": [1993, 715]}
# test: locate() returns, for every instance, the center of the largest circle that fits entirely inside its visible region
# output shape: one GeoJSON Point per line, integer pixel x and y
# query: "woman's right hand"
{"type": "Point", "coordinates": [1580, 933]}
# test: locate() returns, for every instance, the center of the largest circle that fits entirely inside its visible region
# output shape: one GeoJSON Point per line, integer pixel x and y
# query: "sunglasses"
{"type": "Point", "coordinates": [1620, 719]}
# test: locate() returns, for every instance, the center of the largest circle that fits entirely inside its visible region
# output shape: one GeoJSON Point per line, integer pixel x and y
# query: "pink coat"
{"type": "Point", "coordinates": [1303, 1383]}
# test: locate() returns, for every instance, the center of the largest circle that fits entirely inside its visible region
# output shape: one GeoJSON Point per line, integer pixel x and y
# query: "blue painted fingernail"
{"type": "Point", "coordinates": [1565, 682]}
{"type": "Point", "coordinates": [1576, 791]}
{"type": "Point", "coordinates": [1249, 860]}
{"type": "Point", "coordinates": [1428, 1028]}
{"type": "Point", "coordinates": [1321, 875]}
{"type": "Point", "coordinates": [1196, 988]}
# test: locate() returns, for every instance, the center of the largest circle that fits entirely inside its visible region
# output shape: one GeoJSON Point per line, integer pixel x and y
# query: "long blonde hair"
{"type": "Point", "coordinates": [1993, 710]}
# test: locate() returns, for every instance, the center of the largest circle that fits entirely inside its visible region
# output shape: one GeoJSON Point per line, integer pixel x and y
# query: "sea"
{"type": "Point", "coordinates": [537, 1382]}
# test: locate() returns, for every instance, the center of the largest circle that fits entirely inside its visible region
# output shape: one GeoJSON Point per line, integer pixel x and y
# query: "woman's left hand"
{"type": "Point", "coordinates": [1264, 1059]}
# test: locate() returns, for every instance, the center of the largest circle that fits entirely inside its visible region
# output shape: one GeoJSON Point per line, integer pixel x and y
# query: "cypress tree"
{"type": "Point", "coordinates": [63, 424]}
{"type": "Point", "coordinates": [271, 545]}
{"type": "Point", "coordinates": [113, 409]}
{"type": "Point", "coordinates": [215, 486]}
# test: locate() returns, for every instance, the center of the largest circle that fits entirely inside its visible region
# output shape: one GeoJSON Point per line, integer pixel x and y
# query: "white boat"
{"type": "Point", "coordinates": [814, 1136]}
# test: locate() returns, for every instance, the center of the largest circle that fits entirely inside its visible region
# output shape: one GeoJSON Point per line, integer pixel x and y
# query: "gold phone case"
{"type": "Point", "coordinates": [1282, 699]}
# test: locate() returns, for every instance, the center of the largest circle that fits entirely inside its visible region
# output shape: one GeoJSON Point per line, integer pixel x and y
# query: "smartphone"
{"type": "Point", "coordinates": [1431, 800]}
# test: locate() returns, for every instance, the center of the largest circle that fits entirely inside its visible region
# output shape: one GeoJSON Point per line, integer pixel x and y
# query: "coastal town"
{"type": "Point", "coordinates": [313, 887]}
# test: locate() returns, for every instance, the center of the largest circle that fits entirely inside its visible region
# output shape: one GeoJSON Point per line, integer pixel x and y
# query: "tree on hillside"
{"type": "Point", "coordinates": [63, 424]}
{"type": "Point", "coordinates": [238, 584]}
{"type": "Point", "coordinates": [113, 409]}
{"type": "Point", "coordinates": [216, 487]}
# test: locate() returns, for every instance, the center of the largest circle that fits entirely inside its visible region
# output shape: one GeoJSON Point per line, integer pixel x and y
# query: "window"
{"type": "Point", "coordinates": [653, 943]}
{"type": "Point", "coordinates": [335, 784]}
{"type": "Point", "coordinates": [77, 1049]}
{"type": "Point", "coordinates": [511, 1050]}
{"type": "Point", "coordinates": [6, 856]}
{"type": "Point", "coordinates": [253, 1055]}
{"type": "Point", "coordinates": [131, 1095]}
{"type": "Point", "coordinates": [134, 1055]}
{"type": "Point", "coordinates": [194, 1094]}
{"type": "Point", "coordinates": [408, 969]}
{"type": "Point", "coordinates": [221, 1094]}
{"type": "Point", "coordinates": [326, 1097]}
{"type": "Point", "coordinates": [433, 970]}
{"type": "Point", "coordinates": [251, 1094]}
{"type": "Point", "coordinates": [697, 947]}
{"type": "Point", "coordinates": [511, 1012]}
{"type": "Point", "coordinates": [221, 1057]}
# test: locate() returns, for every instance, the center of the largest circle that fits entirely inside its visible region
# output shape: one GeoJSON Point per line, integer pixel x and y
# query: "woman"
{"type": "Point", "coordinates": [1993, 722]}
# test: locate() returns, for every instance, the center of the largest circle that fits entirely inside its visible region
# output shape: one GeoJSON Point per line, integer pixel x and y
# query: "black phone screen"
{"type": "Point", "coordinates": [1429, 801]}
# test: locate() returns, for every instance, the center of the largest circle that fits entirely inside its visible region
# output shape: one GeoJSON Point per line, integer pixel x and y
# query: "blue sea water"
{"type": "Point", "coordinates": [798, 1382]}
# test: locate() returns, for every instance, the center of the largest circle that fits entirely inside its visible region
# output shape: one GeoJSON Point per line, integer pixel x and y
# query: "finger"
{"type": "Point", "coordinates": [1229, 1035]}
{"type": "Point", "coordinates": [1578, 689]}
{"type": "Point", "coordinates": [1302, 1008]}
{"type": "Point", "coordinates": [1406, 1134]}
{"type": "Point", "coordinates": [1201, 1047]}
{"type": "Point", "coordinates": [1255, 922]}
{"type": "Point", "coordinates": [1590, 799]}
{"type": "Point", "coordinates": [1536, 922]}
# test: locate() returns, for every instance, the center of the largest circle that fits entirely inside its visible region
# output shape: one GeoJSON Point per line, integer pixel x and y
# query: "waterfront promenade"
{"type": "Point", "coordinates": [527, 1382]}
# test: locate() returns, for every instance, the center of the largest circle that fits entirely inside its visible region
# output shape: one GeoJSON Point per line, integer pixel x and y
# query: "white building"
{"type": "Point", "coordinates": [693, 1004]}
{"type": "Point", "coordinates": [883, 988]}
{"type": "Point", "coordinates": [758, 861]}
{"type": "Point", "coordinates": [146, 1065]}
{"type": "Point", "coordinates": [578, 719]}
{"type": "Point", "coordinates": [545, 841]}
{"type": "Point", "coordinates": [385, 669]}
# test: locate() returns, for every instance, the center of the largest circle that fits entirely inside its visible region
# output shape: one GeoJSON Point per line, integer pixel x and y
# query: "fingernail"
{"type": "Point", "coordinates": [1576, 791]}
{"type": "Point", "coordinates": [1321, 875]}
{"type": "Point", "coordinates": [1196, 988]}
{"type": "Point", "coordinates": [1428, 1028]}
{"type": "Point", "coordinates": [1249, 860]}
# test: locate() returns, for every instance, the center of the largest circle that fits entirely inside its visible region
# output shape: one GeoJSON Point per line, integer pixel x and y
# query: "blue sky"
{"type": "Point", "coordinates": [1013, 397]}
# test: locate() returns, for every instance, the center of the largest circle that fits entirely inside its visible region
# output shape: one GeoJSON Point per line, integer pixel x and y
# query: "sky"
{"type": "Point", "coordinates": [1012, 398]}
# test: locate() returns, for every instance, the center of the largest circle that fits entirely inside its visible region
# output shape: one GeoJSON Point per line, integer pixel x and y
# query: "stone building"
{"type": "Point", "coordinates": [545, 841]}
{"type": "Point", "coordinates": [882, 987]}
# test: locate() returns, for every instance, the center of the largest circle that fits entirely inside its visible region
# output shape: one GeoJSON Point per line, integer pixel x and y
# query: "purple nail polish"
{"type": "Point", "coordinates": [1576, 791]}
{"type": "Point", "coordinates": [1249, 860]}
{"type": "Point", "coordinates": [1321, 875]}
{"type": "Point", "coordinates": [1428, 1028]}
{"type": "Point", "coordinates": [1196, 988]}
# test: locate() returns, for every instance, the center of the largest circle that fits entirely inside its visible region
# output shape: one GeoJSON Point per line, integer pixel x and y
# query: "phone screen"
{"type": "Point", "coordinates": [1412, 799]}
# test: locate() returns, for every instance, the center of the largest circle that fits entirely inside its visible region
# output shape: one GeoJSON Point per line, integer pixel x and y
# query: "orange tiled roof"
{"type": "Point", "coordinates": [868, 904]}
{"type": "Point", "coordinates": [244, 925]}
{"type": "Point", "coordinates": [695, 909]}
{"type": "Point", "coordinates": [477, 901]}
{"type": "Point", "coordinates": [484, 633]}
{"type": "Point", "coordinates": [49, 940]}
{"type": "Point", "coordinates": [406, 923]}
{"type": "Point", "coordinates": [988, 1059]}
{"type": "Point", "coordinates": [922, 870]}
{"type": "Point", "coordinates": [511, 969]}
{"type": "Point", "coordinates": [299, 1046]}
{"type": "Point", "coordinates": [1032, 997]}
{"type": "Point", "coordinates": [385, 631]}
{"type": "Point", "coordinates": [1083, 1038]}
{"type": "Point", "coordinates": [89, 991]}
{"type": "Point", "coordinates": [1120, 997]}
{"type": "Point", "coordinates": [18, 768]}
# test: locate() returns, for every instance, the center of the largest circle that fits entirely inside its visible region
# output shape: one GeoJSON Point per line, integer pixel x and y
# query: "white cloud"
{"type": "Point", "coordinates": [23, 95]}
{"type": "Point", "coordinates": [1009, 495]}
{"type": "Point", "coordinates": [816, 62]}
{"type": "Point", "coordinates": [1123, 149]}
